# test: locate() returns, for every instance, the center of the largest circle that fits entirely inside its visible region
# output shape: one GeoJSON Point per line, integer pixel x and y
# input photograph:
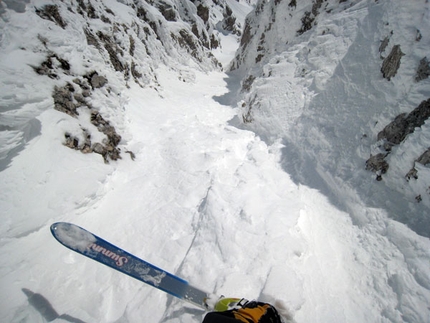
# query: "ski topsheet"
{"type": "Point", "coordinates": [91, 246]}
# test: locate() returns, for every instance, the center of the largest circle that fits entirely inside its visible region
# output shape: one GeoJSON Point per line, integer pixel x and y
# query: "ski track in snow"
{"type": "Point", "coordinates": [211, 203]}
{"type": "Point", "coordinates": [204, 200]}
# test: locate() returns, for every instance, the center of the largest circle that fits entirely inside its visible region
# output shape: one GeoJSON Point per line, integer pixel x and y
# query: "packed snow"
{"type": "Point", "coordinates": [204, 197]}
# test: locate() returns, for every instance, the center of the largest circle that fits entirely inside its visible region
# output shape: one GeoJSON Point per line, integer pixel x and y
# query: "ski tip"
{"type": "Point", "coordinates": [72, 236]}
{"type": "Point", "coordinates": [54, 227]}
{"type": "Point", "coordinates": [59, 228]}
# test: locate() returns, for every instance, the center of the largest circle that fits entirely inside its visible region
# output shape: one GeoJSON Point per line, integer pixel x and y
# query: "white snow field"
{"type": "Point", "coordinates": [204, 199]}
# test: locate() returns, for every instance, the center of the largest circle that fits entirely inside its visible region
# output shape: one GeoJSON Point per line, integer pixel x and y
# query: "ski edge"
{"type": "Point", "coordinates": [86, 239]}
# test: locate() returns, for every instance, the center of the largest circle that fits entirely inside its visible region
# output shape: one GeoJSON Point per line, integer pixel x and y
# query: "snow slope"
{"type": "Point", "coordinates": [322, 92]}
{"type": "Point", "coordinates": [203, 199]}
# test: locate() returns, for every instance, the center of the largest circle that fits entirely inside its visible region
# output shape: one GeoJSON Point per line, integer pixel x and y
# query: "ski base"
{"type": "Point", "coordinates": [98, 249]}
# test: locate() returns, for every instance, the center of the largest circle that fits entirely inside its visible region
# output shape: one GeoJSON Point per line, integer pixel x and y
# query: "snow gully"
{"type": "Point", "coordinates": [119, 260]}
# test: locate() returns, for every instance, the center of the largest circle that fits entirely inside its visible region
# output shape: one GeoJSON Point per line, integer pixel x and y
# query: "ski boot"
{"type": "Point", "coordinates": [229, 303]}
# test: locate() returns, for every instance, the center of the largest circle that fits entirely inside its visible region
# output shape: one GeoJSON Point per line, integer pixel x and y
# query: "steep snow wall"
{"type": "Point", "coordinates": [78, 56]}
{"type": "Point", "coordinates": [326, 78]}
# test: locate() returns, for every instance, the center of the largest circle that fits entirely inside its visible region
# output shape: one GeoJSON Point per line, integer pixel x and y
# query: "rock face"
{"type": "Point", "coordinates": [394, 134]}
{"type": "Point", "coordinates": [63, 100]}
{"type": "Point", "coordinates": [52, 66]}
{"type": "Point", "coordinates": [423, 71]}
{"type": "Point", "coordinates": [404, 124]}
{"type": "Point", "coordinates": [377, 164]}
{"type": "Point", "coordinates": [69, 98]}
{"type": "Point", "coordinates": [51, 12]}
{"type": "Point", "coordinates": [135, 47]}
{"type": "Point", "coordinates": [109, 147]}
{"type": "Point", "coordinates": [229, 22]}
{"type": "Point", "coordinates": [424, 159]}
{"type": "Point", "coordinates": [309, 17]}
{"type": "Point", "coordinates": [174, 33]}
{"type": "Point", "coordinates": [97, 81]}
{"type": "Point", "coordinates": [391, 63]}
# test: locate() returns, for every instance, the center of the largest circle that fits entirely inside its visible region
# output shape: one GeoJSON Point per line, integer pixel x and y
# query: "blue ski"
{"type": "Point", "coordinates": [91, 246]}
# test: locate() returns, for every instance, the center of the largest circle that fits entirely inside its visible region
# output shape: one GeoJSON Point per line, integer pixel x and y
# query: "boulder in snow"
{"type": "Point", "coordinates": [392, 63]}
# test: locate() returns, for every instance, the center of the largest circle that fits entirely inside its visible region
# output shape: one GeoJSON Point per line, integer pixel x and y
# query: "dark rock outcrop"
{"type": "Point", "coordinates": [97, 81]}
{"type": "Point", "coordinates": [405, 124]}
{"type": "Point", "coordinates": [50, 66]}
{"type": "Point", "coordinates": [109, 147]}
{"type": "Point", "coordinates": [377, 163]}
{"type": "Point", "coordinates": [51, 12]}
{"type": "Point", "coordinates": [391, 63]}
{"type": "Point", "coordinates": [423, 70]}
{"type": "Point", "coordinates": [203, 12]}
{"type": "Point", "coordinates": [63, 100]}
{"type": "Point", "coordinates": [113, 50]}
{"type": "Point", "coordinates": [168, 12]}
{"type": "Point", "coordinates": [424, 159]}
{"type": "Point", "coordinates": [395, 133]}
{"type": "Point", "coordinates": [73, 142]}
{"type": "Point", "coordinates": [309, 17]}
{"type": "Point", "coordinates": [229, 20]}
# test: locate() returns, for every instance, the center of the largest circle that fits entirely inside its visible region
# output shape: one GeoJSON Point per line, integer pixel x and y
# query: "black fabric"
{"type": "Point", "coordinates": [220, 317]}
{"type": "Point", "coordinates": [270, 315]}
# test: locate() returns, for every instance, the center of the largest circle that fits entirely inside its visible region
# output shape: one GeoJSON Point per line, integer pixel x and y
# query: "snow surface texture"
{"type": "Point", "coordinates": [231, 210]}
{"type": "Point", "coordinates": [322, 93]}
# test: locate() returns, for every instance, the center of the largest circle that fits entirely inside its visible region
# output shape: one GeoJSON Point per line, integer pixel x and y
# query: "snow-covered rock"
{"type": "Point", "coordinates": [96, 43]}
{"type": "Point", "coordinates": [334, 74]}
